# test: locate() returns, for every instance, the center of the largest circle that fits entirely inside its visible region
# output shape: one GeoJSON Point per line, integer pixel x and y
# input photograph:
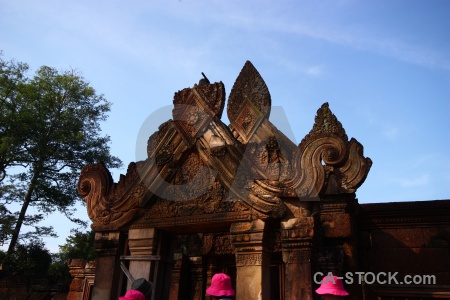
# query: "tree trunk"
{"type": "Point", "coordinates": [23, 211]}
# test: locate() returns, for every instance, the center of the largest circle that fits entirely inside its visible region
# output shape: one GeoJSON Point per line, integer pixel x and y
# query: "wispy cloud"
{"type": "Point", "coordinates": [391, 47]}
{"type": "Point", "coordinates": [114, 23]}
{"type": "Point", "coordinates": [315, 70]}
{"type": "Point", "coordinates": [323, 23]}
{"type": "Point", "coordinates": [391, 133]}
{"type": "Point", "coordinates": [413, 182]}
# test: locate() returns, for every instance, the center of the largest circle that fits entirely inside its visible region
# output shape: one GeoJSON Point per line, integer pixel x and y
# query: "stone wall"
{"type": "Point", "coordinates": [410, 238]}
{"type": "Point", "coordinates": [31, 288]}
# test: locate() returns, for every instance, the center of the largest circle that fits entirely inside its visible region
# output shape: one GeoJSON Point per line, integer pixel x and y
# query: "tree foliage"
{"type": "Point", "coordinates": [50, 129]}
{"type": "Point", "coordinates": [78, 245]}
{"type": "Point", "coordinates": [28, 259]}
{"type": "Point", "coordinates": [13, 126]}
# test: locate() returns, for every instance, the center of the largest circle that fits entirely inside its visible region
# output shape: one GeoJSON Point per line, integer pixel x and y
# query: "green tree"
{"type": "Point", "coordinates": [78, 245]}
{"type": "Point", "coordinates": [7, 220]}
{"type": "Point", "coordinates": [13, 126]}
{"type": "Point", "coordinates": [28, 259]}
{"type": "Point", "coordinates": [50, 130]}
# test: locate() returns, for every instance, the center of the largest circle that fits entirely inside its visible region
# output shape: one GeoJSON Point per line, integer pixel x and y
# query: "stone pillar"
{"type": "Point", "coordinates": [338, 225]}
{"type": "Point", "coordinates": [210, 271]}
{"type": "Point", "coordinates": [142, 244]}
{"type": "Point", "coordinates": [176, 276]}
{"type": "Point", "coordinates": [253, 245]}
{"type": "Point", "coordinates": [297, 241]}
{"type": "Point", "coordinates": [107, 246]}
{"type": "Point", "coordinates": [180, 281]}
{"type": "Point", "coordinates": [197, 277]}
{"type": "Point", "coordinates": [83, 273]}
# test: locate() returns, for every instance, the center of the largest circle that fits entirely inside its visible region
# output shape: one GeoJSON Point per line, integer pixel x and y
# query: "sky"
{"type": "Point", "coordinates": [383, 66]}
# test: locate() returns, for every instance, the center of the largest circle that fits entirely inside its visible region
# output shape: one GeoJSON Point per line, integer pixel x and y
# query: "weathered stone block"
{"type": "Point", "coordinates": [384, 238]}
{"type": "Point", "coordinates": [336, 225]}
{"type": "Point", "coordinates": [410, 237]}
{"type": "Point", "coordinates": [407, 260]}
{"type": "Point", "coordinates": [434, 260]}
{"type": "Point", "coordinates": [76, 285]}
{"type": "Point", "coordinates": [75, 296]}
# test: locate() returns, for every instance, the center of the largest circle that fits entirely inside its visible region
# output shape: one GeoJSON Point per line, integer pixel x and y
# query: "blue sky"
{"type": "Point", "coordinates": [383, 66]}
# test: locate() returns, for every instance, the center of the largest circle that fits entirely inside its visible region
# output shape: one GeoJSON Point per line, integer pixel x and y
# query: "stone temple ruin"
{"type": "Point", "coordinates": [245, 200]}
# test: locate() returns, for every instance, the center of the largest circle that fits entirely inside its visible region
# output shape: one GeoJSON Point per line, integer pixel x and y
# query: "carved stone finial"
{"type": "Point", "coordinates": [327, 123]}
{"type": "Point", "coordinates": [195, 108]}
{"type": "Point", "coordinates": [249, 86]}
{"type": "Point", "coordinates": [326, 162]}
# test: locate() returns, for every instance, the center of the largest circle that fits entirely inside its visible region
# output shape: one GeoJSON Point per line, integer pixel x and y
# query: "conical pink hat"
{"type": "Point", "coordinates": [220, 286]}
{"type": "Point", "coordinates": [331, 285]}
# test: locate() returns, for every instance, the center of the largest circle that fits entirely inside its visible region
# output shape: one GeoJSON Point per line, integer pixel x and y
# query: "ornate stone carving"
{"type": "Point", "coordinates": [212, 95]}
{"type": "Point", "coordinates": [107, 243]}
{"type": "Point", "coordinates": [330, 259]}
{"type": "Point", "coordinates": [198, 166]}
{"type": "Point", "coordinates": [100, 194]}
{"type": "Point", "coordinates": [236, 171]}
{"type": "Point", "coordinates": [222, 244]}
{"type": "Point", "coordinates": [355, 170]}
{"type": "Point", "coordinates": [217, 146]}
{"type": "Point", "coordinates": [212, 201]}
{"type": "Point", "coordinates": [202, 178]}
{"type": "Point", "coordinates": [247, 120]}
{"type": "Point", "coordinates": [164, 155]}
{"type": "Point", "coordinates": [322, 153]}
{"type": "Point", "coordinates": [254, 259]}
{"type": "Point", "coordinates": [297, 239]}
{"type": "Point", "coordinates": [194, 244]}
{"type": "Point", "coordinates": [194, 109]}
{"type": "Point", "coordinates": [248, 88]}
{"type": "Point", "coordinates": [325, 123]}
{"type": "Point", "coordinates": [297, 257]}
{"type": "Point", "coordinates": [298, 228]}
{"type": "Point", "coordinates": [154, 144]}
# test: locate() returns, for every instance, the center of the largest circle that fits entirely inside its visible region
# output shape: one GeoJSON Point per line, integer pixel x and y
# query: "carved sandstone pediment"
{"type": "Point", "coordinates": [202, 171]}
